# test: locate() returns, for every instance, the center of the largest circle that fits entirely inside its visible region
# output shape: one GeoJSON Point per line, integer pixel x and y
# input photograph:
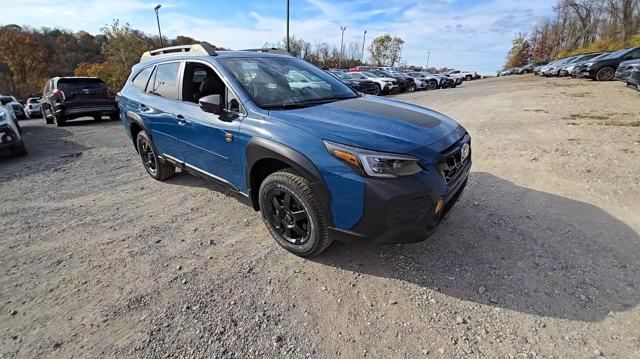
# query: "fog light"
{"type": "Point", "coordinates": [439, 207]}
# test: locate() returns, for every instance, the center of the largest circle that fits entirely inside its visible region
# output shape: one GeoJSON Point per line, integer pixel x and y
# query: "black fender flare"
{"type": "Point", "coordinates": [260, 148]}
{"type": "Point", "coordinates": [132, 118]}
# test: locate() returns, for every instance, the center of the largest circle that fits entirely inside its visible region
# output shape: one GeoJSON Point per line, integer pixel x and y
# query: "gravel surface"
{"type": "Point", "coordinates": [540, 258]}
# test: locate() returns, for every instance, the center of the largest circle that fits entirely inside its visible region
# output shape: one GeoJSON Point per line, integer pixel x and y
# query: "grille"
{"type": "Point", "coordinates": [451, 163]}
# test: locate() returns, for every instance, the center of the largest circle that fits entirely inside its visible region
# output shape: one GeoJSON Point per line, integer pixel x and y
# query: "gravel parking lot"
{"type": "Point", "coordinates": [540, 258]}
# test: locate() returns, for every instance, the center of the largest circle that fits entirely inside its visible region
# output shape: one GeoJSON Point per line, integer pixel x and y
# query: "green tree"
{"type": "Point", "coordinates": [122, 49]}
{"type": "Point", "coordinates": [385, 50]}
{"type": "Point", "coordinates": [520, 52]}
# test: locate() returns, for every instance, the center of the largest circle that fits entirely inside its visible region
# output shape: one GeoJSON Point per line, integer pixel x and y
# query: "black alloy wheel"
{"type": "Point", "coordinates": [156, 168]}
{"type": "Point", "coordinates": [605, 74]}
{"type": "Point", "coordinates": [148, 155]}
{"type": "Point", "coordinates": [433, 84]}
{"type": "Point", "coordinates": [293, 214]}
{"type": "Point", "coordinates": [287, 216]}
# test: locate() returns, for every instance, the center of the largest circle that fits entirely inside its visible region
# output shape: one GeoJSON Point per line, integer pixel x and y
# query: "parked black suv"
{"type": "Point", "coordinates": [67, 98]}
{"type": "Point", "coordinates": [364, 86]}
{"type": "Point", "coordinates": [604, 69]}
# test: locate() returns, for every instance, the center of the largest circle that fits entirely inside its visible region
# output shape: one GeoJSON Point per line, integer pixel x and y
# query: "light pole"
{"type": "Point", "coordinates": [428, 56]}
{"type": "Point", "coordinates": [158, 20]}
{"type": "Point", "coordinates": [342, 28]}
{"type": "Point", "coordinates": [288, 47]}
{"type": "Point", "coordinates": [363, 38]}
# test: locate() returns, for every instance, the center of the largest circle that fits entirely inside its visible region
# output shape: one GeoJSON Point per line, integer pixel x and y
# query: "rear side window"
{"type": "Point", "coordinates": [141, 80]}
{"type": "Point", "coordinates": [166, 80]}
{"type": "Point", "coordinates": [73, 85]}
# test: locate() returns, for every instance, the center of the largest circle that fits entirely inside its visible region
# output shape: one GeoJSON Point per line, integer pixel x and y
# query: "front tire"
{"type": "Point", "coordinates": [157, 169]}
{"type": "Point", "coordinates": [433, 84]}
{"type": "Point", "coordinates": [411, 88]}
{"type": "Point", "coordinates": [605, 74]}
{"type": "Point", "coordinates": [379, 92]}
{"type": "Point", "coordinates": [292, 213]}
{"type": "Point", "coordinates": [468, 78]}
{"type": "Point", "coordinates": [19, 150]}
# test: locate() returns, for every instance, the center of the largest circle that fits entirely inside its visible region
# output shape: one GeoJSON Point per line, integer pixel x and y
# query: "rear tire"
{"type": "Point", "coordinates": [411, 88]}
{"type": "Point", "coordinates": [157, 169]}
{"type": "Point", "coordinates": [60, 120]}
{"type": "Point", "coordinates": [293, 214]}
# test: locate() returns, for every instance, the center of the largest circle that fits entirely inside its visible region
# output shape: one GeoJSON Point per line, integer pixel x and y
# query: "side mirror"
{"type": "Point", "coordinates": [211, 103]}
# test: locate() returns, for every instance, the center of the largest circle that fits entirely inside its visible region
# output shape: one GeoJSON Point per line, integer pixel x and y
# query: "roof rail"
{"type": "Point", "coordinates": [273, 50]}
{"type": "Point", "coordinates": [201, 49]}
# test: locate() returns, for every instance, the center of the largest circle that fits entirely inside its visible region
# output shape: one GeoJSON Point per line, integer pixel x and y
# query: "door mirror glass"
{"type": "Point", "coordinates": [211, 103]}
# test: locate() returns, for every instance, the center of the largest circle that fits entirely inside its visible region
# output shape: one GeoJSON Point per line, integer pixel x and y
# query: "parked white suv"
{"type": "Point", "coordinates": [10, 132]}
{"type": "Point", "coordinates": [387, 84]}
{"type": "Point", "coordinates": [465, 75]}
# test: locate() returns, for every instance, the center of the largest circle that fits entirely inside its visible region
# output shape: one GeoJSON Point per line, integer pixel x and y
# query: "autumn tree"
{"type": "Point", "coordinates": [385, 50]}
{"type": "Point", "coordinates": [25, 58]}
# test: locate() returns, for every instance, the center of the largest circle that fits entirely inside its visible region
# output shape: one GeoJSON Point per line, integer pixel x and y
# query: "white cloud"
{"type": "Point", "coordinates": [475, 37]}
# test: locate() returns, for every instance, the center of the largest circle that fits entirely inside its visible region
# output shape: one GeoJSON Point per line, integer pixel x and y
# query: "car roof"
{"type": "Point", "coordinates": [147, 60]}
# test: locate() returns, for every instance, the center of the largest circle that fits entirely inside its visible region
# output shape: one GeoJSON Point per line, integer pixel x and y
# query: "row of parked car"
{"type": "Point", "coordinates": [622, 65]}
{"type": "Point", "coordinates": [391, 80]}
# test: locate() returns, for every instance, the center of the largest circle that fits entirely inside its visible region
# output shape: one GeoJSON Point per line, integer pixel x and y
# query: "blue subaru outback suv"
{"type": "Point", "coordinates": [319, 160]}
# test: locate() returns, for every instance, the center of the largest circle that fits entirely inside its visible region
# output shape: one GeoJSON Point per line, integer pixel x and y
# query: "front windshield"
{"type": "Point", "coordinates": [601, 56]}
{"type": "Point", "coordinates": [275, 82]}
{"type": "Point", "coordinates": [342, 75]}
{"type": "Point", "coordinates": [616, 54]}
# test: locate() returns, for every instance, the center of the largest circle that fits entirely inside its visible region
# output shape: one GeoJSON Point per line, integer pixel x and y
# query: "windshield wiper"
{"type": "Point", "coordinates": [308, 103]}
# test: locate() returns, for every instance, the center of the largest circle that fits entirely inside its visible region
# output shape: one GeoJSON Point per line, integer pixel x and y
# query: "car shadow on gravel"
{"type": "Point", "coordinates": [518, 249]}
{"type": "Point", "coordinates": [47, 148]}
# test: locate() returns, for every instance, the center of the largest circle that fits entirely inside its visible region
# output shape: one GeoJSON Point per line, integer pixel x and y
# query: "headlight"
{"type": "Point", "coordinates": [375, 164]}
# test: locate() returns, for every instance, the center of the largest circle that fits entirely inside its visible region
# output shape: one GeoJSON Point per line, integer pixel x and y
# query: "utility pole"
{"type": "Point", "coordinates": [342, 28]}
{"type": "Point", "coordinates": [363, 38]}
{"type": "Point", "coordinates": [288, 46]}
{"type": "Point", "coordinates": [158, 20]}
{"type": "Point", "coordinates": [428, 56]}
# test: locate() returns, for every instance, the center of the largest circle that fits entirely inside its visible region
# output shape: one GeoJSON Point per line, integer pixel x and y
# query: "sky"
{"type": "Point", "coordinates": [470, 35]}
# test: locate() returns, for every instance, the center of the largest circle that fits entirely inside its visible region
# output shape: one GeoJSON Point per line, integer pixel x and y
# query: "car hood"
{"type": "Point", "coordinates": [371, 122]}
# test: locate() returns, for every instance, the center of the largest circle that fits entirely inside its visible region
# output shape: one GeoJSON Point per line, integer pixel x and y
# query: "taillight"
{"type": "Point", "coordinates": [111, 94]}
{"type": "Point", "coordinates": [59, 94]}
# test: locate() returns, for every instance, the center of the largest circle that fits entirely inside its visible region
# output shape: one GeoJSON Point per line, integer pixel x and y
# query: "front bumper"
{"type": "Point", "coordinates": [401, 210]}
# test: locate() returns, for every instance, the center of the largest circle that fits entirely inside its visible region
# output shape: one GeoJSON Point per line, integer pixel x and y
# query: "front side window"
{"type": "Point", "coordinates": [282, 82]}
{"type": "Point", "coordinates": [141, 80]}
{"type": "Point", "coordinates": [166, 80]}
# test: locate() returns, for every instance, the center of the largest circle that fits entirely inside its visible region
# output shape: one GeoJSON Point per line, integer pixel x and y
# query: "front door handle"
{"type": "Point", "coordinates": [182, 121]}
